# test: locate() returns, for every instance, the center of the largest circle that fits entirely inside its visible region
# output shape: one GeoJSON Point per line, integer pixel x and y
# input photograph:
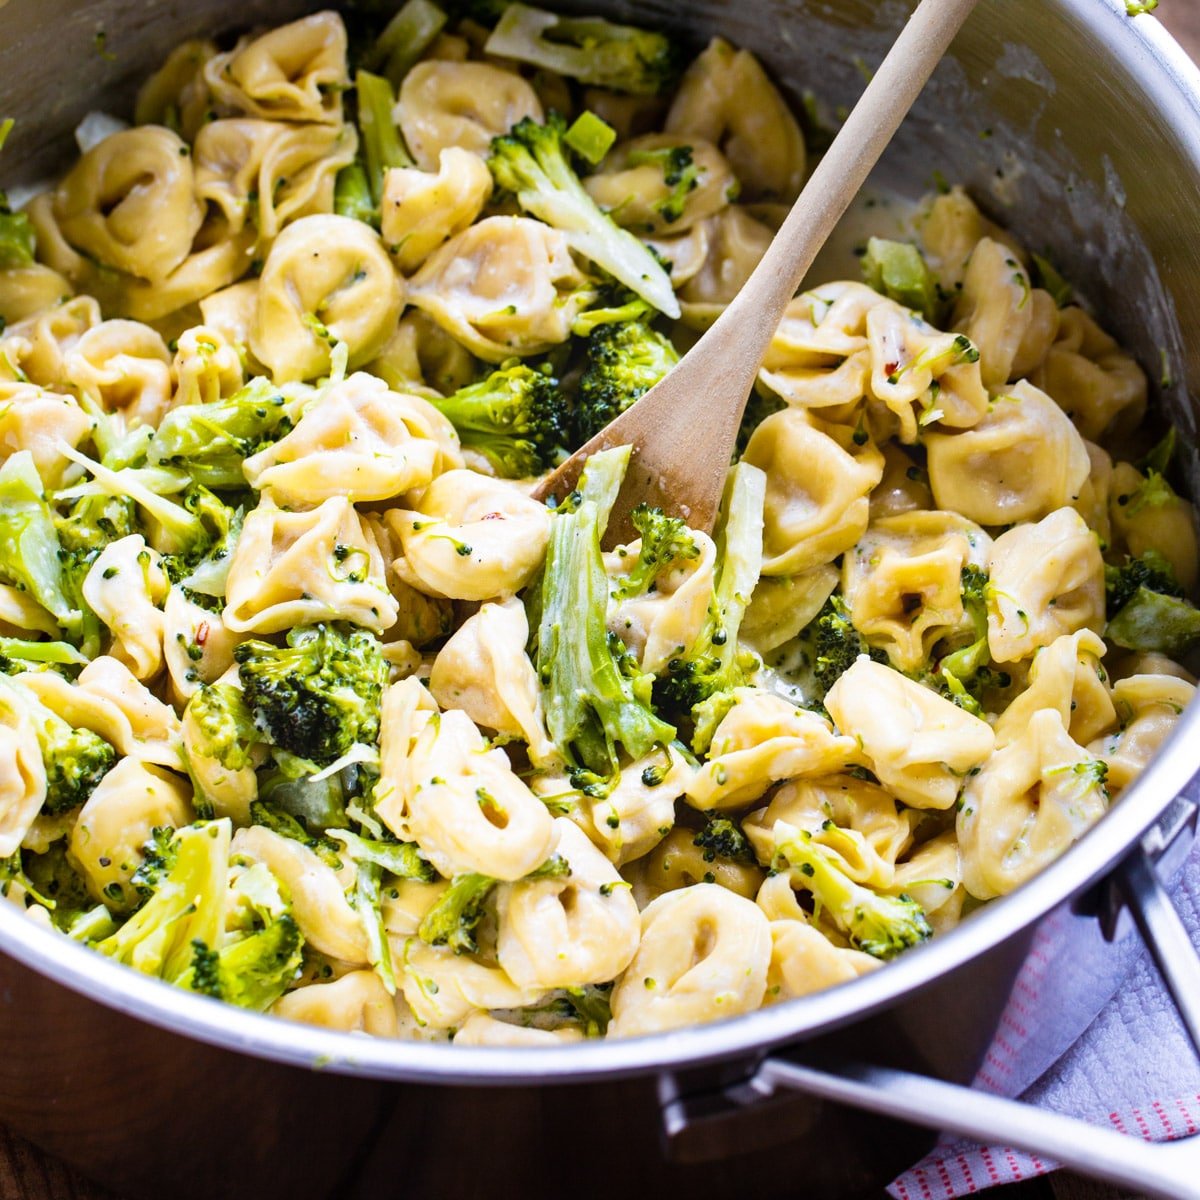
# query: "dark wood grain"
{"type": "Point", "coordinates": [28, 1174]}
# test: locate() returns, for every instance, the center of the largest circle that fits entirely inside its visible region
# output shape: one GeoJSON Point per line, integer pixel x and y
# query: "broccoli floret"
{"type": "Point", "coordinates": [531, 162]}
{"type": "Point", "coordinates": [515, 418]}
{"type": "Point", "coordinates": [210, 441]}
{"type": "Point", "coordinates": [665, 540]}
{"type": "Point", "coordinates": [30, 552]}
{"type": "Point", "coordinates": [96, 521]}
{"type": "Point", "coordinates": [288, 786]}
{"type": "Point", "coordinates": [17, 655]}
{"type": "Point", "coordinates": [60, 887]}
{"type": "Point", "coordinates": [591, 1005]}
{"type": "Point", "coordinates": [1147, 608]}
{"type": "Point", "coordinates": [318, 695]}
{"type": "Point", "coordinates": [878, 925]}
{"type": "Point", "coordinates": [1154, 621]}
{"type": "Point", "coordinates": [219, 527]}
{"type": "Point", "coordinates": [700, 681]}
{"type": "Point", "coordinates": [75, 759]}
{"type": "Point", "coordinates": [623, 361]}
{"type": "Point", "coordinates": [182, 531]}
{"type": "Point", "coordinates": [402, 859]}
{"type": "Point", "coordinates": [897, 270]}
{"type": "Point", "coordinates": [225, 724]}
{"type": "Point", "coordinates": [722, 838]}
{"type": "Point", "coordinates": [1149, 570]}
{"type": "Point", "coordinates": [965, 674]}
{"type": "Point", "coordinates": [262, 948]}
{"type": "Point", "coordinates": [590, 49]}
{"type": "Point", "coordinates": [185, 878]}
{"type": "Point", "coordinates": [680, 174]}
{"type": "Point", "coordinates": [836, 642]}
{"type": "Point", "coordinates": [453, 919]}
{"type": "Point", "coordinates": [595, 698]}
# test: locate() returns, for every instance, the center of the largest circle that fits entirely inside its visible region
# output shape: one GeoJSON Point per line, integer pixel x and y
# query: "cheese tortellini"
{"type": "Point", "coordinates": [327, 279]}
{"type": "Point", "coordinates": [306, 699]}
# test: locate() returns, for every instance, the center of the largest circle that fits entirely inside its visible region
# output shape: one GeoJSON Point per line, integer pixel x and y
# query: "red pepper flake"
{"type": "Point", "coordinates": [493, 516]}
{"type": "Point", "coordinates": [891, 368]}
{"type": "Point", "coordinates": [202, 633]}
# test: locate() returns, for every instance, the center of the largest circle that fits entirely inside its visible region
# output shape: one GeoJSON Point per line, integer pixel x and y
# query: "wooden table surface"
{"type": "Point", "coordinates": [28, 1174]}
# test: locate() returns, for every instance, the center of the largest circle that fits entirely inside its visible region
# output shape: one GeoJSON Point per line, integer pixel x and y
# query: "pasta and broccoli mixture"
{"type": "Point", "coordinates": [307, 705]}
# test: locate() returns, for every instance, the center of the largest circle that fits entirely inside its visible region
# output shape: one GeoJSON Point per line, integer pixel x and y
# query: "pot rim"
{"type": "Point", "coordinates": [1172, 83]}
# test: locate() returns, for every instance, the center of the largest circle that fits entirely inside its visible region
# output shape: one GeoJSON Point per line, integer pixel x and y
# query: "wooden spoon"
{"type": "Point", "coordinates": [684, 429]}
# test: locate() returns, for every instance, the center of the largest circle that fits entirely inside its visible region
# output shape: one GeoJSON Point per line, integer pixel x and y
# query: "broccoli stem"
{"type": "Point", "coordinates": [405, 38]}
{"type": "Point", "coordinates": [382, 147]}
{"type": "Point", "coordinates": [594, 700]}
{"type": "Point", "coordinates": [881, 926]}
{"type": "Point", "coordinates": [352, 195]}
{"type": "Point", "coordinates": [369, 902]}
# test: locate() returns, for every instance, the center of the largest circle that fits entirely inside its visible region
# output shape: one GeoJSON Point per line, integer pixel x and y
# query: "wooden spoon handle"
{"type": "Point", "coordinates": [834, 183]}
{"type": "Point", "coordinates": [684, 430]}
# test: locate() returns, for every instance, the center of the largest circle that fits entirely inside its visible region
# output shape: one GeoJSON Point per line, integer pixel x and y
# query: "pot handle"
{"type": "Point", "coordinates": [1169, 1170]}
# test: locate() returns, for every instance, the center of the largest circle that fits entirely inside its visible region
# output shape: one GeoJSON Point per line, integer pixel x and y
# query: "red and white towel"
{"type": "Point", "coordinates": [1134, 1067]}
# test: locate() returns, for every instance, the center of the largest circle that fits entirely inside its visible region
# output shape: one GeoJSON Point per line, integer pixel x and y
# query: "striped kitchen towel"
{"type": "Point", "coordinates": [1134, 1067]}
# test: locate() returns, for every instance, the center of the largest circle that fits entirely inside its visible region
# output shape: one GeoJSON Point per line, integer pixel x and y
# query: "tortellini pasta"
{"type": "Point", "coordinates": [295, 72]}
{"type": "Point", "coordinates": [734, 242]}
{"type": "Point", "coordinates": [484, 671]}
{"type": "Point", "coordinates": [726, 98]}
{"type": "Point", "coordinates": [421, 210]}
{"type": "Point", "coordinates": [126, 588]}
{"type": "Point", "coordinates": [442, 787]}
{"type": "Point", "coordinates": [356, 1003]}
{"type": "Point", "coordinates": [460, 104]}
{"type": "Point", "coordinates": [763, 739]}
{"type": "Point", "coordinates": [1046, 580]}
{"type": "Point", "coordinates": [1098, 385]}
{"type": "Point", "coordinates": [506, 286]}
{"type": "Point", "coordinates": [358, 440]}
{"type": "Point", "coordinates": [1021, 462]}
{"type": "Point", "coordinates": [903, 581]}
{"type": "Point", "coordinates": [632, 185]}
{"type": "Point", "coordinates": [106, 842]}
{"type": "Point", "coordinates": [919, 745]}
{"type": "Point", "coordinates": [38, 421]}
{"type": "Point", "coordinates": [1148, 708]}
{"type": "Point", "coordinates": [816, 506]}
{"type": "Point", "coordinates": [656, 623]}
{"type": "Point", "coordinates": [317, 895]}
{"type": "Point", "coordinates": [22, 773]}
{"type": "Point", "coordinates": [1029, 802]}
{"type": "Point", "coordinates": [582, 927]}
{"type": "Point", "coordinates": [123, 366]}
{"type": "Point", "coordinates": [298, 568]}
{"type": "Point", "coordinates": [130, 203]}
{"type": "Point", "coordinates": [265, 173]}
{"type": "Point", "coordinates": [704, 955]}
{"type": "Point", "coordinates": [470, 538]}
{"type": "Point", "coordinates": [804, 960]}
{"type": "Point", "coordinates": [327, 278]}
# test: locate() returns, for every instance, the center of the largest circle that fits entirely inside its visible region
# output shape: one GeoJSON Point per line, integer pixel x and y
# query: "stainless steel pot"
{"type": "Point", "coordinates": [1081, 129]}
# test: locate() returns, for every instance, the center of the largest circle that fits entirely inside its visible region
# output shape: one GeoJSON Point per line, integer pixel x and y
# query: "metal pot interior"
{"type": "Point", "coordinates": [1070, 124]}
